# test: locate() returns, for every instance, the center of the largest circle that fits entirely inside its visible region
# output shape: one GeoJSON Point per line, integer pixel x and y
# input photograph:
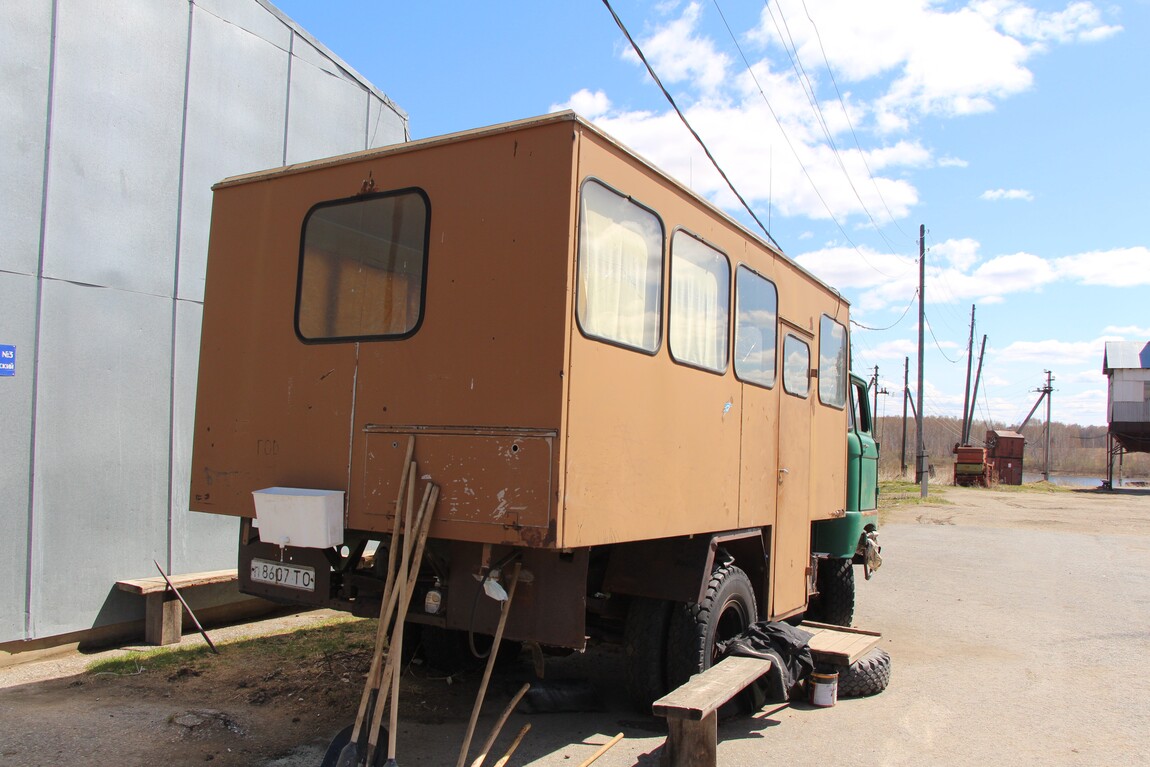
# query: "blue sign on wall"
{"type": "Point", "coordinates": [7, 360]}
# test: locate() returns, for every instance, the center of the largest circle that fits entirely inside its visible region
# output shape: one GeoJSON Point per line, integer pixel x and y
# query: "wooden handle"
{"type": "Point", "coordinates": [495, 730]}
{"type": "Point", "coordinates": [490, 665]}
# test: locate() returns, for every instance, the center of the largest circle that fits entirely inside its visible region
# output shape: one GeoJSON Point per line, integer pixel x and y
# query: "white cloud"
{"type": "Point", "coordinates": [585, 103]}
{"type": "Point", "coordinates": [1128, 332]}
{"type": "Point", "coordinates": [1007, 194]}
{"type": "Point", "coordinates": [1123, 267]}
{"type": "Point", "coordinates": [1054, 351]}
{"type": "Point", "coordinates": [679, 54]}
{"type": "Point", "coordinates": [893, 63]}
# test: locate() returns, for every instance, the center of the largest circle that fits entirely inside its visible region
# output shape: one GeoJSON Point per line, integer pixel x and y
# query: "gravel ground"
{"type": "Point", "coordinates": [1018, 624]}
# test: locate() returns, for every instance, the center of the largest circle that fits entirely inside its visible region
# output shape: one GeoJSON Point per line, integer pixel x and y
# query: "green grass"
{"type": "Point", "coordinates": [338, 634]}
{"type": "Point", "coordinates": [1035, 487]}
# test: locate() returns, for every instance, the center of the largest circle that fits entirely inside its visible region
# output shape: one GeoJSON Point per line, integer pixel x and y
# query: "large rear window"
{"type": "Point", "coordinates": [362, 267]}
{"type": "Point", "coordinates": [620, 269]}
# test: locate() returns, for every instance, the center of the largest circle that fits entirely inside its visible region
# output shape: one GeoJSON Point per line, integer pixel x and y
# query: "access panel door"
{"type": "Point", "coordinates": [791, 541]}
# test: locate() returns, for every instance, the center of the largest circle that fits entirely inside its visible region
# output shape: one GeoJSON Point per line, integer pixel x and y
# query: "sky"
{"type": "Point", "coordinates": [1014, 133]}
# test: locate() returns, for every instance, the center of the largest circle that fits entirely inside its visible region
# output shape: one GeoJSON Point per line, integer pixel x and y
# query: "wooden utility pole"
{"type": "Point", "coordinates": [905, 397]}
{"type": "Point", "coordinates": [1044, 392]}
{"type": "Point", "coordinates": [874, 408]}
{"type": "Point", "coordinates": [1047, 390]}
{"type": "Point", "coordinates": [966, 406]}
{"type": "Point", "coordinates": [969, 422]}
{"type": "Point", "coordinates": [920, 464]}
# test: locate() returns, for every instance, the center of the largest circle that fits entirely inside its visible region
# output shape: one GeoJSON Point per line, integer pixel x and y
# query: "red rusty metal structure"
{"type": "Point", "coordinates": [1005, 453]}
{"type": "Point", "coordinates": [971, 466]}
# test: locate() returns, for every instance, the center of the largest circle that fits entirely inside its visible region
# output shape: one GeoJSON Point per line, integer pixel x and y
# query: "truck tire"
{"type": "Point", "coordinates": [869, 675]}
{"type": "Point", "coordinates": [644, 651]}
{"type": "Point", "coordinates": [835, 602]}
{"type": "Point", "coordinates": [727, 609]}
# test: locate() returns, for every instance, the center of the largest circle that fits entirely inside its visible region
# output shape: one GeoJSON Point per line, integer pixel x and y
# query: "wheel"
{"type": "Point", "coordinates": [869, 675]}
{"type": "Point", "coordinates": [727, 609]}
{"type": "Point", "coordinates": [449, 650]}
{"type": "Point", "coordinates": [835, 602]}
{"type": "Point", "coordinates": [644, 651]}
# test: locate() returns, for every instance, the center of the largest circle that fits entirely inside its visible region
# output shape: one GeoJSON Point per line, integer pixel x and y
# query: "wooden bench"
{"type": "Point", "coordinates": [692, 710]}
{"type": "Point", "coordinates": [163, 613]}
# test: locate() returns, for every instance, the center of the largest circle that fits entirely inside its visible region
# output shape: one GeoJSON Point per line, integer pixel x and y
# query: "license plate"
{"type": "Point", "coordinates": [279, 574]}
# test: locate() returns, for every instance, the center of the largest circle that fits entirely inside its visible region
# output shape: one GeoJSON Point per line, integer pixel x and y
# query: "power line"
{"type": "Point", "coordinates": [790, 145]}
{"type": "Point", "coordinates": [846, 115]}
{"type": "Point", "coordinates": [939, 347]}
{"type": "Point", "coordinates": [900, 319]}
{"type": "Point", "coordinates": [809, 91]}
{"type": "Point", "coordinates": [671, 100]}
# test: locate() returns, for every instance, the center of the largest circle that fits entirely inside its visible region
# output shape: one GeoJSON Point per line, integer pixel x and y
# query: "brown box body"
{"type": "Point", "coordinates": [539, 436]}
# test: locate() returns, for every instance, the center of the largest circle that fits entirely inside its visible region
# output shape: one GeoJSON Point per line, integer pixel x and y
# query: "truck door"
{"type": "Point", "coordinates": [791, 539]}
{"type": "Point", "coordinates": [862, 451]}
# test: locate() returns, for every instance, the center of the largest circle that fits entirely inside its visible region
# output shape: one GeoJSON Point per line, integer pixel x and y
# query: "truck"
{"type": "Point", "coordinates": [611, 382]}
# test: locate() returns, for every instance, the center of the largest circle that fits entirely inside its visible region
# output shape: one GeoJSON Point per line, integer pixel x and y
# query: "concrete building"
{"type": "Point", "coordinates": [116, 117]}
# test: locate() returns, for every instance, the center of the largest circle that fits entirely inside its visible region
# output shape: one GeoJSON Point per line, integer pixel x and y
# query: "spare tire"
{"type": "Point", "coordinates": [869, 675]}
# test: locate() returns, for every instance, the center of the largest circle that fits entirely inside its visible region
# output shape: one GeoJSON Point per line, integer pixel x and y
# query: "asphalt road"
{"type": "Point", "coordinates": [1019, 630]}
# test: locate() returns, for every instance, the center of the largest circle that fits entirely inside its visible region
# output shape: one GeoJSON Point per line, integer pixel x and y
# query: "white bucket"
{"type": "Point", "coordinates": [824, 689]}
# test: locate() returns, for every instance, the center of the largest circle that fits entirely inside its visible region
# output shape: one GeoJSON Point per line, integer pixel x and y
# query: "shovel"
{"type": "Point", "coordinates": [350, 755]}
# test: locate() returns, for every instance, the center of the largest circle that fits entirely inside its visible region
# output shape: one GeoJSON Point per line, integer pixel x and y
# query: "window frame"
{"type": "Point", "coordinates": [412, 190]}
{"type": "Point", "coordinates": [844, 376]}
{"type": "Point", "coordinates": [806, 373]}
{"type": "Point", "coordinates": [662, 270]}
{"type": "Point", "coordinates": [726, 345]}
{"type": "Point", "coordinates": [774, 334]}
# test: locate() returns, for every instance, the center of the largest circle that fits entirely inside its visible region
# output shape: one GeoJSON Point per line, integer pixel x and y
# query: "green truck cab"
{"type": "Point", "coordinates": [852, 539]}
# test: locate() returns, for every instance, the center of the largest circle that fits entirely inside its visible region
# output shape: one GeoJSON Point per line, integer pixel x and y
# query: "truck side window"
{"type": "Point", "coordinates": [620, 269]}
{"type": "Point", "coordinates": [700, 302]}
{"type": "Point", "coordinates": [362, 267]}
{"type": "Point", "coordinates": [757, 312]}
{"type": "Point", "coordinates": [796, 366]}
{"type": "Point", "coordinates": [832, 363]}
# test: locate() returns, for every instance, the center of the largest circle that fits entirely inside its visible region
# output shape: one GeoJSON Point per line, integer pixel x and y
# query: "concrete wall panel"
{"type": "Point", "coordinates": [327, 114]}
{"type": "Point", "coordinates": [102, 452]}
{"type": "Point", "coordinates": [199, 541]}
{"type": "Point", "coordinates": [234, 125]}
{"type": "Point", "coordinates": [114, 130]}
{"type": "Point", "coordinates": [253, 17]}
{"type": "Point", "coordinates": [384, 125]}
{"type": "Point", "coordinates": [114, 167]}
{"type": "Point", "coordinates": [25, 50]}
{"type": "Point", "coordinates": [18, 297]}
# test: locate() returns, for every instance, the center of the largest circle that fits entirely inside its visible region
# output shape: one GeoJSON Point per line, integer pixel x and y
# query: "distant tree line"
{"type": "Point", "coordinates": [1074, 449]}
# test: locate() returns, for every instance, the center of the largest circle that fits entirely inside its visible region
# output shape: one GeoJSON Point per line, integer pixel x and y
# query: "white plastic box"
{"type": "Point", "coordinates": [297, 516]}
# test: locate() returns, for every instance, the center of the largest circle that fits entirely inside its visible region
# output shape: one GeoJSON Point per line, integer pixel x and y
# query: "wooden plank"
{"type": "Point", "coordinates": [705, 692]}
{"type": "Point", "coordinates": [153, 585]}
{"type": "Point", "coordinates": [839, 645]}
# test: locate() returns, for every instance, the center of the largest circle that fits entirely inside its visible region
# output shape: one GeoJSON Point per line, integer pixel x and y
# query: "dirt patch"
{"type": "Point", "coordinates": [274, 698]}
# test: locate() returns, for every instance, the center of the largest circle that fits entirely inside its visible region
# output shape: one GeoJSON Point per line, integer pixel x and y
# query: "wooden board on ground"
{"type": "Point", "coordinates": [705, 692]}
{"type": "Point", "coordinates": [839, 645]}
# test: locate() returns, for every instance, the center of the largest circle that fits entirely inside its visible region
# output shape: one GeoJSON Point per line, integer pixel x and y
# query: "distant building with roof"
{"type": "Point", "coordinates": [1127, 365]}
